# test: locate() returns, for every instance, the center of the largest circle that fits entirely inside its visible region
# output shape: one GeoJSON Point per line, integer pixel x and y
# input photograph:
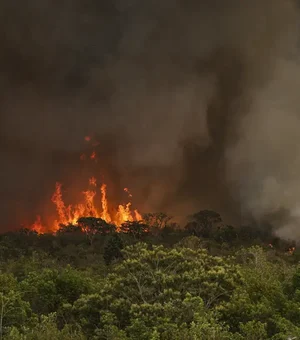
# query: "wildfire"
{"type": "Point", "coordinates": [93, 181]}
{"type": "Point", "coordinates": [291, 250]}
{"type": "Point", "coordinates": [93, 155]}
{"type": "Point", "coordinates": [69, 214]}
{"type": "Point", "coordinates": [105, 215]}
{"type": "Point", "coordinates": [127, 190]}
{"type": "Point", "coordinates": [37, 226]}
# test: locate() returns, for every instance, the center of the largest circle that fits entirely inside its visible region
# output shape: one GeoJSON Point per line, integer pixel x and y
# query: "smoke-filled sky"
{"type": "Point", "coordinates": [195, 103]}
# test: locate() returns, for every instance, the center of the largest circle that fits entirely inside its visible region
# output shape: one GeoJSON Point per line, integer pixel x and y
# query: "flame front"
{"type": "Point", "coordinates": [105, 215]}
{"type": "Point", "coordinates": [69, 215]}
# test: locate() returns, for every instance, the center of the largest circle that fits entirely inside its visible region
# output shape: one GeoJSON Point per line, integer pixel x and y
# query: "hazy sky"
{"type": "Point", "coordinates": [194, 103]}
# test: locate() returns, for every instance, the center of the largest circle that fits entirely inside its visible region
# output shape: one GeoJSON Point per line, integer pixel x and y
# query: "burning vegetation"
{"type": "Point", "coordinates": [94, 205]}
{"type": "Point", "coordinates": [71, 214]}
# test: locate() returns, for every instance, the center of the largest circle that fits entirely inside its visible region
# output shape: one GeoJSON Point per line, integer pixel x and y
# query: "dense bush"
{"type": "Point", "coordinates": [206, 281]}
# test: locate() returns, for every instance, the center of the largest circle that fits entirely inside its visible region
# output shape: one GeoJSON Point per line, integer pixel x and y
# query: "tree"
{"type": "Point", "coordinates": [49, 289]}
{"type": "Point", "coordinates": [93, 226]}
{"type": "Point", "coordinates": [254, 330]}
{"type": "Point", "coordinates": [203, 222]}
{"type": "Point", "coordinates": [46, 329]}
{"type": "Point", "coordinates": [70, 228]}
{"type": "Point", "coordinates": [261, 304]}
{"type": "Point", "coordinates": [158, 287]}
{"type": "Point", "coordinates": [159, 224]}
{"type": "Point", "coordinates": [136, 229]}
{"type": "Point", "coordinates": [172, 292]}
{"type": "Point", "coordinates": [192, 242]}
{"type": "Point", "coordinates": [14, 311]}
{"type": "Point", "coordinates": [112, 250]}
{"type": "Point", "coordinates": [157, 220]}
{"type": "Point", "coordinates": [225, 233]}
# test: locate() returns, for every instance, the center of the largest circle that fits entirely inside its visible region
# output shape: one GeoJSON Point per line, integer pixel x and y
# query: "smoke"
{"type": "Point", "coordinates": [194, 103]}
{"type": "Point", "coordinates": [265, 161]}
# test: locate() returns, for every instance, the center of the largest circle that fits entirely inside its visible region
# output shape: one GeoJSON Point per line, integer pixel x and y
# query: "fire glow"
{"type": "Point", "coordinates": [69, 214]}
{"type": "Point", "coordinates": [92, 206]}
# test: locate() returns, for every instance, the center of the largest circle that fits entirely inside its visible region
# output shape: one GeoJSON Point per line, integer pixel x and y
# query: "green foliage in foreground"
{"type": "Point", "coordinates": [124, 287]}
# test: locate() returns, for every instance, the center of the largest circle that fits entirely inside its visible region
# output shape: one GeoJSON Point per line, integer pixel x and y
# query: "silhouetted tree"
{"type": "Point", "coordinates": [70, 228]}
{"type": "Point", "coordinates": [203, 222]}
{"type": "Point", "coordinates": [226, 233]}
{"type": "Point", "coordinates": [157, 220]}
{"type": "Point", "coordinates": [112, 249]}
{"type": "Point", "coordinates": [136, 229]}
{"type": "Point", "coordinates": [93, 226]}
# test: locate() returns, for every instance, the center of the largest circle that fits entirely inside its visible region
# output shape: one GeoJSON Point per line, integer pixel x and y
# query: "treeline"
{"type": "Point", "coordinates": [149, 280]}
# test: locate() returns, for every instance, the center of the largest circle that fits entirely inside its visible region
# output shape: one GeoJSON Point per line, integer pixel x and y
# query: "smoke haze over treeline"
{"type": "Point", "coordinates": [195, 103]}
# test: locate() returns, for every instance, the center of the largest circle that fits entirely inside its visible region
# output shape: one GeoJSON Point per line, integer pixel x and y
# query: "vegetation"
{"type": "Point", "coordinates": [152, 281]}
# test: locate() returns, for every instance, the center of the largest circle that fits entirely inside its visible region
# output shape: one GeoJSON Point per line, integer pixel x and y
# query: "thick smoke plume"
{"type": "Point", "coordinates": [194, 102]}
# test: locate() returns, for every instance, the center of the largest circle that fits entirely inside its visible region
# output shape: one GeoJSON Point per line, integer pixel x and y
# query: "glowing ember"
{"type": "Point", "coordinates": [69, 215]}
{"type": "Point", "coordinates": [87, 138]}
{"type": "Point", "coordinates": [291, 250]}
{"type": "Point", "coordinates": [93, 181]}
{"type": "Point", "coordinates": [126, 190]}
{"type": "Point", "coordinates": [93, 155]}
{"type": "Point", "coordinates": [83, 157]}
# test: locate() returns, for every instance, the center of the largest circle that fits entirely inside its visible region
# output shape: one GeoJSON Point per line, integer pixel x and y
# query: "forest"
{"type": "Point", "coordinates": [190, 105]}
{"type": "Point", "coordinates": [149, 280]}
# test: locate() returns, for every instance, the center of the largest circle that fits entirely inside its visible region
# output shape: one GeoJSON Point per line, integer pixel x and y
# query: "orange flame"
{"type": "Point", "coordinates": [93, 155]}
{"type": "Point", "coordinates": [291, 250]}
{"type": "Point", "coordinates": [37, 225]}
{"type": "Point", "coordinates": [124, 213]}
{"type": "Point", "coordinates": [93, 181]}
{"type": "Point", "coordinates": [105, 215]}
{"type": "Point", "coordinates": [90, 206]}
{"type": "Point", "coordinates": [127, 190]}
{"type": "Point", "coordinates": [62, 211]}
{"type": "Point", "coordinates": [138, 216]}
{"type": "Point", "coordinates": [67, 215]}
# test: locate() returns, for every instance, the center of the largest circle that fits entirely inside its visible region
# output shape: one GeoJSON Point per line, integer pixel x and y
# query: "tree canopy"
{"type": "Point", "coordinates": [149, 280]}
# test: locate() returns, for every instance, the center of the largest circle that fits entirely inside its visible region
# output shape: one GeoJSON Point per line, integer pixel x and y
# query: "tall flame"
{"type": "Point", "coordinates": [62, 211]}
{"type": "Point", "coordinates": [68, 214]}
{"type": "Point", "coordinates": [105, 215]}
{"type": "Point", "coordinates": [38, 226]}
